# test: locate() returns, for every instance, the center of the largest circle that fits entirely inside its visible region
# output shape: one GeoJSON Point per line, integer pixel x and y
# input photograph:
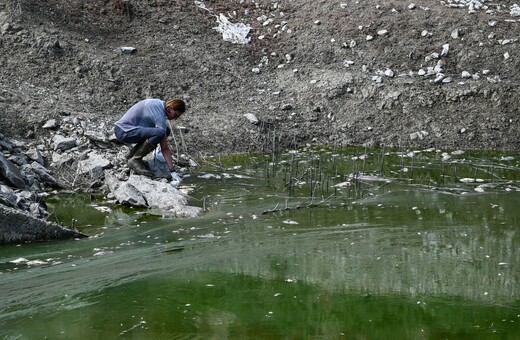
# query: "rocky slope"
{"type": "Point", "coordinates": [431, 73]}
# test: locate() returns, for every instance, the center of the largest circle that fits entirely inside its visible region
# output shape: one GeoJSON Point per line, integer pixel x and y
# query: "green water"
{"type": "Point", "coordinates": [323, 243]}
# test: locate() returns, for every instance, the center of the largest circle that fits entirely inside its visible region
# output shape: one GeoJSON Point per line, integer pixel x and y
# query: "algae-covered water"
{"type": "Point", "coordinates": [320, 243]}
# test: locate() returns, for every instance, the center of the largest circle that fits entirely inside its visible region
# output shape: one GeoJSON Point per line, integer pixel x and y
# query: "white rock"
{"type": "Point", "coordinates": [411, 6]}
{"type": "Point", "coordinates": [347, 63]}
{"type": "Point", "coordinates": [267, 22]}
{"type": "Point", "coordinates": [369, 37]}
{"type": "Point", "coordinates": [95, 165]}
{"type": "Point", "coordinates": [50, 124]}
{"type": "Point", "coordinates": [432, 56]}
{"type": "Point", "coordinates": [445, 50]}
{"type": "Point", "coordinates": [389, 73]}
{"type": "Point", "coordinates": [63, 143]}
{"type": "Point", "coordinates": [514, 10]}
{"type": "Point", "coordinates": [126, 50]}
{"type": "Point", "coordinates": [382, 32]}
{"type": "Point", "coordinates": [466, 74]}
{"type": "Point", "coordinates": [251, 118]}
{"type": "Point", "coordinates": [439, 78]}
{"type": "Point", "coordinates": [421, 72]}
{"type": "Point", "coordinates": [455, 33]}
{"type": "Point", "coordinates": [506, 56]}
{"type": "Point", "coordinates": [255, 70]}
{"type": "Point", "coordinates": [419, 135]}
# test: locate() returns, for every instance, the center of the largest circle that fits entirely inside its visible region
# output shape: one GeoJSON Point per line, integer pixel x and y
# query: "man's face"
{"type": "Point", "coordinates": [173, 114]}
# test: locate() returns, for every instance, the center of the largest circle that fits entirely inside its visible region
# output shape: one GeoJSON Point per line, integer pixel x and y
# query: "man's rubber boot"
{"type": "Point", "coordinates": [136, 162]}
{"type": "Point", "coordinates": [133, 150]}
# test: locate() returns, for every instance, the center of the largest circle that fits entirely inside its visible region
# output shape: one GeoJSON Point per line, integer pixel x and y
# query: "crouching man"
{"type": "Point", "coordinates": [145, 125]}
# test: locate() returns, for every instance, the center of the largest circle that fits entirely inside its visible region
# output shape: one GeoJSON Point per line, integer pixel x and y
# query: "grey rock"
{"type": "Point", "coordinates": [142, 191]}
{"type": "Point", "coordinates": [64, 143]}
{"type": "Point", "coordinates": [445, 50]}
{"type": "Point", "coordinates": [5, 145]}
{"type": "Point", "coordinates": [418, 135]}
{"type": "Point", "coordinates": [35, 155]}
{"type": "Point", "coordinates": [126, 50]}
{"type": "Point", "coordinates": [96, 136]}
{"type": "Point", "coordinates": [17, 226]}
{"type": "Point", "coordinates": [11, 173]}
{"type": "Point", "coordinates": [50, 124]}
{"type": "Point", "coordinates": [7, 196]}
{"type": "Point", "coordinates": [94, 164]}
{"type": "Point", "coordinates": [252, 118]}
{"type": "Point", "coordinates": [125, 192]}
{"type": "Point", "coordinates": [62, 159]}
{"type": "Point", "coordinates": [455, 33]}
{"type": "Point", "coordinates": [45, 176]}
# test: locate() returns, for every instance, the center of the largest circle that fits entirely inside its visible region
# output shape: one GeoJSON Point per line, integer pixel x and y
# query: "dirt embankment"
{"type": "Point", "coordinates": [434, 74]}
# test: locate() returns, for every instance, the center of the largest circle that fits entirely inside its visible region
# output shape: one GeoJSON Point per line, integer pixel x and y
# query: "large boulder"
{"type": "Point", "coordinates": [17, 226]}
{"type": "Point", "coordinates": [11, 173]}
{"type": "Point", "coordinates": [141, 191]}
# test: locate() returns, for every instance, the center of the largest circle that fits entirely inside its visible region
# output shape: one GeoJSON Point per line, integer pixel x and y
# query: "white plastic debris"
{"type": "Point", "coordinates": [158, 155]}
{"type": "Point", "coordinates": [235, 33]}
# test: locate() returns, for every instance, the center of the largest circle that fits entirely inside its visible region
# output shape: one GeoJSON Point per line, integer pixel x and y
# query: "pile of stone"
{"type": "Point", "coordinates": [76, 155]}
{"type": "Point", "coordinates": [22, 210]}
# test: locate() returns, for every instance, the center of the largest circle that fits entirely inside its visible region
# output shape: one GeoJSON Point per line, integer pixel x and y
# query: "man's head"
{"type": "Point", "coordinates": [175, 108]}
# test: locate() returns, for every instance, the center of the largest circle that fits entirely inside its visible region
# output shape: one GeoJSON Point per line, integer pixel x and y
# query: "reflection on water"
{"type": "Point", "coordinates": [310, 244]}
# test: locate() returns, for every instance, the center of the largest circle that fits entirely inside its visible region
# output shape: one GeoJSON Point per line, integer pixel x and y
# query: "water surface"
{"type": "Point", "coordinates": [316, 243]}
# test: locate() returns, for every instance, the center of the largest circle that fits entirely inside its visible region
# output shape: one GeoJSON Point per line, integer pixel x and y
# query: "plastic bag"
{"type": "Point", "coordinates": [234, 33]}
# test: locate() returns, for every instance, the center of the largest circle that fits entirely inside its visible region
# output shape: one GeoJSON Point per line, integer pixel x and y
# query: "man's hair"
{"type": "Point", "coordinates": [176, 104]}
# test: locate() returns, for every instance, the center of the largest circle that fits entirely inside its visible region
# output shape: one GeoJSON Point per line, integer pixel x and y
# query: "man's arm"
{"type": "Point", "coordinates": [165, 149]}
